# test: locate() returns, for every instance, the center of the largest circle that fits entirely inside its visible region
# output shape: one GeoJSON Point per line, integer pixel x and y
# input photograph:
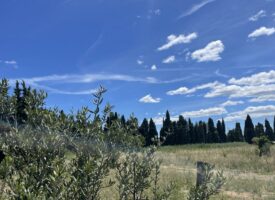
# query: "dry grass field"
{"type": "Point", "coordinates": [248, 176]}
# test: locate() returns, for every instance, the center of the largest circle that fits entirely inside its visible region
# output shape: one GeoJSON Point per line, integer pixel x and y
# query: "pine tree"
{"type": "Point", "coordinates": [223, 136]}
{"type": "Point", "coordinates": [249, 131]}
{"type": "Point", "coordinates": [268, 131]}
{"type": "Point", "coordinates": [230, 136]}
{"type": "Point", "coordinates": [152, 133]}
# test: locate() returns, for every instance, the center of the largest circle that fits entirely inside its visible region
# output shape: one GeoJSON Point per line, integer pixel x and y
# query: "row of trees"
{"type": "Point", "coordinates": [184, 131]}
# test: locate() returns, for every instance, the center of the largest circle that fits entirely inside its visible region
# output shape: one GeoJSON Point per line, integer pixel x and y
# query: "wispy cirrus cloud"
{"type": "Point", "coordinates": [149, 99]}
{"type": "Point", "coordinates": [173, 40]}
{"type": "Point", "coordinates": [256, 17]}
{"type": "Point", "coordinates": [195, 8]}
{"type": "Point", "coordinates": [262, 31]}
{"type": "Point", "coordinates": [210, 52]}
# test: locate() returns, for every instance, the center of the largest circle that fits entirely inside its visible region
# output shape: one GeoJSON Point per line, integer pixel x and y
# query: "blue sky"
{"type": "Point", "coordinates": [198, 58]}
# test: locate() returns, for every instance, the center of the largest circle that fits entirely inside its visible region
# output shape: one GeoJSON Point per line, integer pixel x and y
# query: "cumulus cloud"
{"type": "Point", "coordinates": [179, 91]}
{"type": "Point", "coordinates": [209, 53]}
{"type": "Point", "coordinates": [262, 31]}
{"type": "Point", "coordinates": [196, 8]}
{"type": "Point", "coordinates": [169, 59]}
{"type": "Point", "coordinates": [154, 68]}
{"type": "Point", "coordinates": [173, 40]}
{"type": "Point", "coordinates": [256, 17]}
{"type": "Point", "coordinates": [231, 103]}
{"type": "Point", "coordinates": [205, 112]}
{"type": "Point", "coordinates": [263, 98]}
{"type": "Point", "coordinates": [149, 99]}
{"type": "Point", "coordinates": [254, 112]}
{"type": "Point", "coordinates": [255, 79]}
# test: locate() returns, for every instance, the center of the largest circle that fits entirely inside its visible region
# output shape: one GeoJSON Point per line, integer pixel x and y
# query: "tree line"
{"type": "Point", "coordinates": [27, 106]}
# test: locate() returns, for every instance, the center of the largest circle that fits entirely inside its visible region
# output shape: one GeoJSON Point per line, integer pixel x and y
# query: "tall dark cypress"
{"type": "Point", "coordinates": [259, 130]}
{"type": "Point", "coordinates": [191, 134]}
{"type": "Point", "coordinates": [238, 134]}
{"type": "Point", "coordinates": [268, 131]}
{"type": "Point", "coordinates": [223, 136]}
{"type": "Point", "coordinates": [182, 131]}
{"type": "Point", "coordinates": [221, 131]}
{"type": "Point", "coordinates": [152, 133]}
{"type": "Point", "coordinates": [212, 132]}
{"type": "Point", "coordinates": [249, 131]}
{"type": "Point", "coordinates": [166, 128]}
{"type": "Point", "coordinates": [144, 131]}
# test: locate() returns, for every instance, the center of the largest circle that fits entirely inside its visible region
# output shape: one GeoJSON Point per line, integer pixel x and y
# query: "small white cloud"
{"type": "Point", "coordinates": [168, 60]}
{"type": "Point", "coordinates": [209, 53]}
{"type": "Point", "coordinates": [154, 68]}
{"type": "Point", "coordinates": [231, 103]}
{"type": "Point", "coordinates": [173, 40]}
{"type": "Point", "coordinates": [149, 99]}
{"type": "Point", "coordinates": [262, 31]}
{"type": "Point", "coordinates": [10, 62]}
{"type": "Point", "coordinates": [140, 62]}
{"type": "Point", "coordinates": [255, 79]}
{"type": "Point", "coordinates": [179, 91]}
{"type": "Point", "coordinates": [256, 17]}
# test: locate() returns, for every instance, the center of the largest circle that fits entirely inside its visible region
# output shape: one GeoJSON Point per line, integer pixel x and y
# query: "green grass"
{"type": "Point", "coordinates": [248, 176]}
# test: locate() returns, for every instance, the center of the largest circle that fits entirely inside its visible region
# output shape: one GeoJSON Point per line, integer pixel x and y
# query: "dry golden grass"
{"type": "Point", "coordinates": [248, 176]}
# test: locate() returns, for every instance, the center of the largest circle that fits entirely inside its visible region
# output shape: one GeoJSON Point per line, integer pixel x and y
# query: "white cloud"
{"type": "Point", "coordinates": [179, 91]}
{"type": "Point", "coordinates": [139, 62]}
{"type": "Point", "coordinates": [231, 103]}
{"type": "Point", "coordinates": [185, 90]}
{"type": "Point", "coordinates": [209, 53]}
{"type": "Point", "coordinates": [173, 40]}
{"type": "Point", "coordinates": [256, 79]}
{"type": "Point", "coordinates": [10, 62]}
{"type": "Point", "coordinates": [263, 98]}
{"type": "Point", "coordinates": [254, 112]}
{"type": "Point", "coordinates": [205, 112]}
{"type": "Point", "coordinates": [262, 31]}
{"type": "Point", "coordinates": [168, 60]}
{"type": "Point", "coordinates": [154, 68]}
{"type": "Point", "coordinates": [149, 99]}
{"type": "Point", "coordinates": [196, 7]}
{"type": "Point", "coordinates": [260, 14]}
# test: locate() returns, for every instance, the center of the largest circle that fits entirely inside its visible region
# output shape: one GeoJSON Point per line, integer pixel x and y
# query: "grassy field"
{"type": "Point", "coordinates": [248, 176]}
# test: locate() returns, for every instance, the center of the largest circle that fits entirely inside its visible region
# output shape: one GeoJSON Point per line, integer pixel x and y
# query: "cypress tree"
{"type": "Point", "coordinates": [4, 100]}
{"type": "Point", "coordinates": [221, 131]}
{"type": "Point", "coordinates": [259, 130]}
{"type": "Point", "coordinates": [152, 132]}
{"type": "Point", "coordinates": [144, 131]}
{"type": "Point", "coordinates": [249, 131]}
{"type": "Point", "coordinates": [191, 134]}
{"type": "Point", "coordinates": [268, 131]}
{"type": "Point", "coordinates": [238, 134]}
{"type": "Point", "coordinates": [166, 128]}
{"type": "Point", "coordinates": [212, 132]}
{"type": "Point", "coordinates": [230, 135]}
{"type": "Point", "coordinates": [201, 132]}
{"type": "Point", "coordinates": [182, 131]}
